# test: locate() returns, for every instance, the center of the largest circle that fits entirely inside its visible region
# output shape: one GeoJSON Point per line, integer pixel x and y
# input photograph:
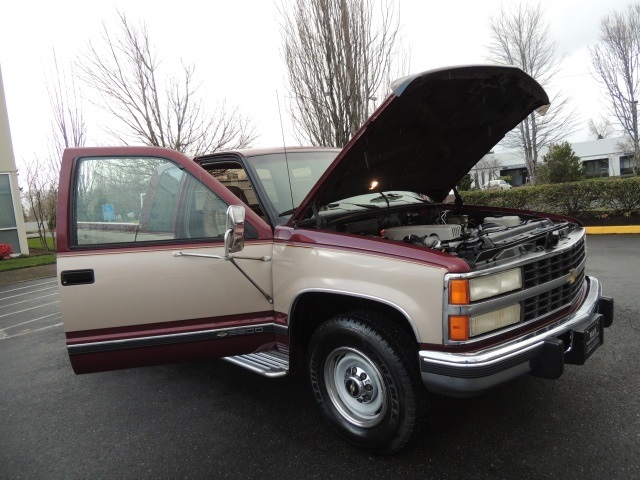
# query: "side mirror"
{"type": "Point", "coordinates": [234, 234]}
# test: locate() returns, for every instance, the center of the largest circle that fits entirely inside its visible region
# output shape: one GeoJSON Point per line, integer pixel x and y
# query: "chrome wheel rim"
{"type": "Point", "coordinates": [355, 387]}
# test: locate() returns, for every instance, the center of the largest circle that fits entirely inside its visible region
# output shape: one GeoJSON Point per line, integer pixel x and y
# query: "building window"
{"type": "Point", "coordinates": [7, 217]}
{"type": "Point", "coordinates": [8, 226]}
{"type": "Point", "coordinates": [517, 176]}
{"type": "Point", "coordinates": [626, 165]}
{"type": "Point", "coordinates": [596, 168]}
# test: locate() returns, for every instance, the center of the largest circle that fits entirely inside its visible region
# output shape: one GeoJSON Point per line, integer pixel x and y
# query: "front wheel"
{"type": "Point", "coordinates": [365, 379]}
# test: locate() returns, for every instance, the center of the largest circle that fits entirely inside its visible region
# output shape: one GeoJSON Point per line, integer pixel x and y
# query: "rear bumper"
{"type": "Point", "coordinates": [543, 352]}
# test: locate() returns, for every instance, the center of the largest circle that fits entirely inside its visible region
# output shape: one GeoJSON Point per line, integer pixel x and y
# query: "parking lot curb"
{"type": "Point", "coordinates": [613, 230]}
{"type": "Point", "coordinates": [27, 274]}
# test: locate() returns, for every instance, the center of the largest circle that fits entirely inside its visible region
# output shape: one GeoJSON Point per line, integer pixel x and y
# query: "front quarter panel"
{"type": "Point", "coordinates": [413, 288]}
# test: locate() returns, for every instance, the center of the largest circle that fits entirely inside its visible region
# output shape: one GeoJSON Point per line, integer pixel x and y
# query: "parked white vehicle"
{"type": "Point", "coordinates": [496, 185]}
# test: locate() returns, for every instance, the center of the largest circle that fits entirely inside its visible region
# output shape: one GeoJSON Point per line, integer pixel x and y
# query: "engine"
{"type": "Point", "coordinates": [476, 238]}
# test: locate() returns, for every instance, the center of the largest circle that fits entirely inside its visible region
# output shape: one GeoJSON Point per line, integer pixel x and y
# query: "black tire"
{"type": "Point", "coordinates": [366, 381]}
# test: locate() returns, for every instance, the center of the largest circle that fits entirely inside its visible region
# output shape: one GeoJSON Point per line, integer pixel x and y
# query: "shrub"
{"type": "Point", "coordinates": [5, 251]}
{"type": "Point", "coordinates": [619, 194]}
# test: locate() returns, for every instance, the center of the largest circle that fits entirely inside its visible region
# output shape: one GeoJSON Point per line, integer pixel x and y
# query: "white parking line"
{"type": "Point", "coordinates": [29, 293]}
{"type": "Point", "coordinates": [28, 321]}
{"type": "Point", "coordinates": [29, 331]}
{"type": "Point", "coordinates": [30, 286]}
{"type": "Point", "coordinates": [27, 309]}
{"type": "Point", "coordinates": [26, 301]}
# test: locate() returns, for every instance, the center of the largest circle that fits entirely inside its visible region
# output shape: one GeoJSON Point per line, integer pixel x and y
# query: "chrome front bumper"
{"type": "Point", "coordinates": [466, 374]}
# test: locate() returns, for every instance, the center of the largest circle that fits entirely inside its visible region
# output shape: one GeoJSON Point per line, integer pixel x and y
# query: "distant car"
{"type": "Point", "coordinates": [496, 185]}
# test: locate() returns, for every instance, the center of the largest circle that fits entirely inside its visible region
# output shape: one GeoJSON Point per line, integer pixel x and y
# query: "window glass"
{"type": "Point", "coordinates": [237, 181]}
{"type": "Point", "coordinates": [596, 168]}
{"type": "Point", "coordinates": [626, 165]}
{"type": "Point", "coordinates": [7, 217]}
{"type": "Point", "coordinates": [133, 200]}
{"type": "Point", "coordinates": [288, 179]}
{"type": "Point", "coordinates": [10, 237]}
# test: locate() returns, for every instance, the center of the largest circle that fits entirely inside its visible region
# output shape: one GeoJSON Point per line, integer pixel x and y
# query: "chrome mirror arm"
{"type": "Point", "coordinates": [264, 294]}
{"type": "Point", "coordinates": [231, 259]}
{"type": "Point", "coordinates": [183, 254]}
{"type": "Point", "coordinates": [266, 258]}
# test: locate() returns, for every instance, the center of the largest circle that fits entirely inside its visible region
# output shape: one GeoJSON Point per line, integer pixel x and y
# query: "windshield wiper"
{"type": "Point", "coordinates": [288, 212]}
{"type": "Point", "coordinates": [361, 205]}
{"type": "Point", "coordinates": [332, 205]}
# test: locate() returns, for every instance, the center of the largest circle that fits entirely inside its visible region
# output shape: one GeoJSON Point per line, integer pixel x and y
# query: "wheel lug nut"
{"type": "Point", "coordinates": [354, 370]}
{"type": "Point", "coordinates": [363, 376]}
{"type": "Point", "coordinates": [365, 398]}
{"type": "Point", "coordinates": [368, 387]}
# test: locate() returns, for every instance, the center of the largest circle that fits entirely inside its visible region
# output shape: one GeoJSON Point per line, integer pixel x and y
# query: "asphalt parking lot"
{"type": "Point", "coordinates": [214, 420]}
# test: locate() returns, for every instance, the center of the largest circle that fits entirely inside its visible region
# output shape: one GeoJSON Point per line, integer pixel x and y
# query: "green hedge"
{"type": "Point", "coordinates": [622, 195]}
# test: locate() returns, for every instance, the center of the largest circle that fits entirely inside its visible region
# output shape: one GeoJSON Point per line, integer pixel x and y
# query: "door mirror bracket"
{"type": "Point", "coordinates": [234, 242]}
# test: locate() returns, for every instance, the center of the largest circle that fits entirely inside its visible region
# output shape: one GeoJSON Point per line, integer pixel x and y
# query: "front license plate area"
{"type": "Point", "coordinates": [586, 340]}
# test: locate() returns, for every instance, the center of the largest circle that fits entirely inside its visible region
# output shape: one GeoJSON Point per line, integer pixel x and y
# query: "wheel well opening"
{"type": "Point", "coordinates": [311, 309]}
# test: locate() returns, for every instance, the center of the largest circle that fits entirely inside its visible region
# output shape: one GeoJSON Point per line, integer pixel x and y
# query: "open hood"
{"type": "Point", "coordinates": [432, 129]}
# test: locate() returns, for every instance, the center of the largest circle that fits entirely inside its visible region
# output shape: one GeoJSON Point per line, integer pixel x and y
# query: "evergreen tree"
{"type": "Point", "coordinates": [561, 164]}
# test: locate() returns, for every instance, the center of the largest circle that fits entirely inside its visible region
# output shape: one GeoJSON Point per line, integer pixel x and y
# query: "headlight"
{"type": "Point", "coordinates": [479, 324]}
{"type": "Point", "coordinates": [492, 285]}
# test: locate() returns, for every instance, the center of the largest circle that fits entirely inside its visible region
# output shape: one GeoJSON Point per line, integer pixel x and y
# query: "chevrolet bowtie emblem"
{"type": "Point", "coordinates": [573, 276]}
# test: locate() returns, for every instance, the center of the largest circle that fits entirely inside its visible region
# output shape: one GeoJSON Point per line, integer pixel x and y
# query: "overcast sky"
{"type": "Point", "coordinates": [235, 46]}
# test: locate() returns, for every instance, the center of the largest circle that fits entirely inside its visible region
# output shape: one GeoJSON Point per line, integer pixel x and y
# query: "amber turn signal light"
{"type": "Point", "coordinates": [459, 328]}
{"type": "Point", "coordinates": [459, 292]}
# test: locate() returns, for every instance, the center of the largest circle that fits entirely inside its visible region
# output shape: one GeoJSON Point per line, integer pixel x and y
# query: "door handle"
{"type": "Point", "coordinates": [77, 277]}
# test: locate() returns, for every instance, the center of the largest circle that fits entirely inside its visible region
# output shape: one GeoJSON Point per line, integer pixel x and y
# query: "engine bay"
{"type": "Point", "coordinates": [480, 236]}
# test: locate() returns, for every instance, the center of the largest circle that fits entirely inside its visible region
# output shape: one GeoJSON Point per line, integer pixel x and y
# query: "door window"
{"type": "Point", "coordinates": [134, 200]}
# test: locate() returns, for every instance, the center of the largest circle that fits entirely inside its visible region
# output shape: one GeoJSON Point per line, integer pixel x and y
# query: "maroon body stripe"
{"type": "Point", "coordinates": [170, 353]}
{"type": "Point", "coordinates": [168, 328]}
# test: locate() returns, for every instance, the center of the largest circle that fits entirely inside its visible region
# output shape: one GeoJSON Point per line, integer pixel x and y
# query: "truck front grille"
{"type": "Point", "coordinates": [552, 300]}
{"type": "Point", "coordinates": [554, 266]}
{"type": "Point", "coordinates": [547, 269]}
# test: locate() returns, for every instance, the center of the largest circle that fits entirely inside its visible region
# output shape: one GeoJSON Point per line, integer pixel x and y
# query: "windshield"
{"type": "Point", "coordinates": [287, 187]}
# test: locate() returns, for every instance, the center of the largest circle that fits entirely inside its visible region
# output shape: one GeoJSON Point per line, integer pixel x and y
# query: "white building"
{"type": "Point", "coordinates": [12, 229]}
{"type": "Point", "coordinates": [601, 158]}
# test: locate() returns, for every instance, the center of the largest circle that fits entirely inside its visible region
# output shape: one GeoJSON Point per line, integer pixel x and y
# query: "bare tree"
{"type": "Point", "coordinates": [154, 109]}
{"type": "Point", "coordinates": [41, 197]}
{"type": "Point", "coordinates": [600, 128]}
{"type": "Point", "coordinates": [68, 129]}
{"type": "Point", "coordinates": [338, 56]}
{"type": "Point", "coordinates": [488, 168]}
{"type": "Point", "coordinates": [616, 64]}
{"type": "Point", "coordinates": [521, 37]}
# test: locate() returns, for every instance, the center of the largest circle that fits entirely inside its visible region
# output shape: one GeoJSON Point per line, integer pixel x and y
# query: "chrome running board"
{"type": "Point", "coordinates": [273, 363]}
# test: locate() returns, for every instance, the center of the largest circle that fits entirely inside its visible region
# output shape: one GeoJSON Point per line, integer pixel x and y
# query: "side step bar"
{"type": "Point", "coordinates": [271, 364]}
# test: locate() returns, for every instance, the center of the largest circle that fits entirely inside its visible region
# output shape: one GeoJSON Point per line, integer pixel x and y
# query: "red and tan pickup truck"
{"type": "Point", "coordinates": [345, 264]}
